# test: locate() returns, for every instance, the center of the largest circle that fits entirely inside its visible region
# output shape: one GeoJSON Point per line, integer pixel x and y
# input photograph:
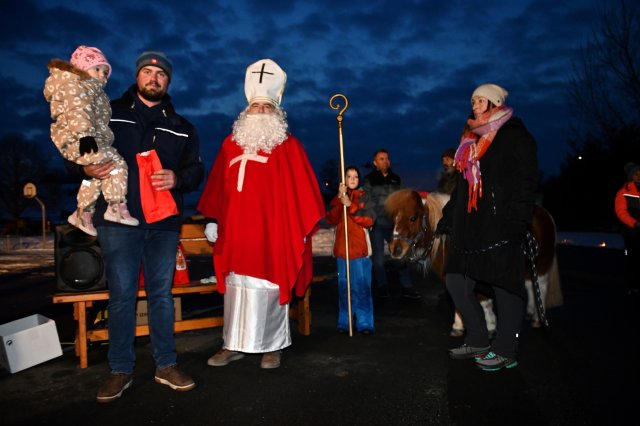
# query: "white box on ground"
{"type": "Point", "coordinates": [142, 312]}
{"type": "Point", "coordinates": [28, 341]}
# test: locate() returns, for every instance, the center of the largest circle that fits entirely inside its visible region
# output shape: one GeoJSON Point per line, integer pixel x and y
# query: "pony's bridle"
{"type": "Point", "coordinates": [414, 255]}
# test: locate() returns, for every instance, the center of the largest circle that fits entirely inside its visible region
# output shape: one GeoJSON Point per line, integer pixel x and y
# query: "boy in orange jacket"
{"type": "Point", "coordinates": [360, 217]}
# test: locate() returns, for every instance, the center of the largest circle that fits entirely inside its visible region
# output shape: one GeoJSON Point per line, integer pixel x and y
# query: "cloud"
{"type": "Point", "coordinates": [408, 68]}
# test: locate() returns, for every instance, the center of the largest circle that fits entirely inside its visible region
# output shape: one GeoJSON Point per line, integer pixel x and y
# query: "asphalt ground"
{"type": "Point", "coordinates": [579, 371]}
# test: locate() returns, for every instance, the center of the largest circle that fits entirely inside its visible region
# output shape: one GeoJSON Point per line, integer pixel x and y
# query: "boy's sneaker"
{"type": "Point", "coordinates": [118, 212]}
{"type": "Point", "coordinates": [113, 387]}
{"type": "Point", "coordinates": [494, 362]}
{"type": "Point", "coordinates": [465, 352]}
{"type": "Point", "coordinates": [174, 378]}
{"type": "Point", "coordinates": [83, 221]}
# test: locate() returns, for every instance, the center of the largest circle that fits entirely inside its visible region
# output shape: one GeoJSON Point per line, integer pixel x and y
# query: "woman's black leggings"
{"type": "Point", "coordinates": [510, 313]}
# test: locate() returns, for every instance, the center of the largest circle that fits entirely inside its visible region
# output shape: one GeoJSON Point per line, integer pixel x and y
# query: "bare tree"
{"type": "Point", "coordinates": [604, 86]}
{"type": "Point", "coordinates": [604, 92]}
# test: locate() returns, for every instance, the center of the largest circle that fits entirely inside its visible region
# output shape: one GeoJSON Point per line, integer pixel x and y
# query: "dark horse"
{"type": "Point", "coordinates": [415, 220]}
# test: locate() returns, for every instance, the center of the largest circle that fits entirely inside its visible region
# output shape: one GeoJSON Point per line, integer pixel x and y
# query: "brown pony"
{"type": "Point", "coordinates": [415, 220]}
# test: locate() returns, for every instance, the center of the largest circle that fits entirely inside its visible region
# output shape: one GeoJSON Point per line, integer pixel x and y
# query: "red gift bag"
{"type": "Point", "coordinates": [156, 205]}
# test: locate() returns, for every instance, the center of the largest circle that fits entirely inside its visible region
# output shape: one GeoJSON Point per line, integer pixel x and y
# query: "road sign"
{"type": "Point", "coordinates": [29, 190]}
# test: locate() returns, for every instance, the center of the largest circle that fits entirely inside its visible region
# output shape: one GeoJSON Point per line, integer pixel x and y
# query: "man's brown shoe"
{"type": "Point", "coordinates": [112, 388]}
{"type": "Point", "coordinates": [270, 360]}
{"type": "Point", "coordinates": [174, 378]}
{"type": "Point", "coordinates": [224, 357]}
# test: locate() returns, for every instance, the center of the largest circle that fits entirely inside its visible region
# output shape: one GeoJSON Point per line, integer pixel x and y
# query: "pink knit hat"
{"type": "Point", "coordinates": [86, 57]}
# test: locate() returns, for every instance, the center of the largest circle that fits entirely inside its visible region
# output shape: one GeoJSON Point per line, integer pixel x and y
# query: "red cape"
{"type": "Point", "coordinates": [263, 228]}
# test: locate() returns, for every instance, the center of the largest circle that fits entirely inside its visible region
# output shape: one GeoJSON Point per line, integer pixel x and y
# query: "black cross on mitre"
{"type": "Point", "coordinates": [262, 72]}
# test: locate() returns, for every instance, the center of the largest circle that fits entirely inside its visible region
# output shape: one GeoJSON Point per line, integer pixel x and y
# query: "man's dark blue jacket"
{"type": "Point", "coordinates": [139, 128]}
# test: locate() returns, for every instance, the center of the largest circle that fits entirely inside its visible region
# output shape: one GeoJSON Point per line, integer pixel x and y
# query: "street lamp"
{"type": "Point", "coordinates": [30, 191]}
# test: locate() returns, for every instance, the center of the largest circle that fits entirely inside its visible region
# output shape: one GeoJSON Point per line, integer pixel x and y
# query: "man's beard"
{"type": "Point", "coordinates": [260, 132]}
{"type": "Point", "coordinates": [152, 93]}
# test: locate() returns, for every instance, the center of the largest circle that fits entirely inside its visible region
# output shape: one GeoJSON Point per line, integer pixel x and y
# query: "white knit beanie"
{"type": "Point", "coordinates": [493, 92]}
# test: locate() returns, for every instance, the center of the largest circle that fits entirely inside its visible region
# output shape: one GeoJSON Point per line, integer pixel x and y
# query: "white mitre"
{"type": "Point", "coordinates": [264, 82]}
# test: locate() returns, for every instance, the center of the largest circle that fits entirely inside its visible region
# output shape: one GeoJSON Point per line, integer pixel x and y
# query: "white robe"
{"type": "Point", "coordinates": [254, 319]}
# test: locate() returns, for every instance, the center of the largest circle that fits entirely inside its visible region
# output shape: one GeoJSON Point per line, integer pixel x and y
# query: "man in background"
{"type": "Point", "coordinates": [378, 185]}
{"type": "Point", "coordinates": [447, 181]}
{"type": "Point", "coordinates": [627, 206]}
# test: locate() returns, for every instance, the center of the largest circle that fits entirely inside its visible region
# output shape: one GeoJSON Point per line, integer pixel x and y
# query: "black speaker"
{"type": "Point", "coordinates": [78, 260]}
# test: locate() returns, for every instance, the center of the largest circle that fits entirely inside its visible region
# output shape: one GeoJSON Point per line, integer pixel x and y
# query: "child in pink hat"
{"type": "Point", "coordinates": [80, 130]}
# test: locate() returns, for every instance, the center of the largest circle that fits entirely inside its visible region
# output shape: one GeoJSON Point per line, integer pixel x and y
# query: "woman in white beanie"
{"type": "Point", "coordinates": [487, 219]}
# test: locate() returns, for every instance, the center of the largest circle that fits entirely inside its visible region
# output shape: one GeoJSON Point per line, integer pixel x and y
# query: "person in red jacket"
{"type": "Point", "coordinates": [360, 217]}
{"type": "Point", "coordinates": [627, 206]}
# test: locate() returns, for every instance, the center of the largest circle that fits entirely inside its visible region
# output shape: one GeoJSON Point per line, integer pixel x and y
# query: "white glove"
{"type": "Point", "coordinates": [211, 232]}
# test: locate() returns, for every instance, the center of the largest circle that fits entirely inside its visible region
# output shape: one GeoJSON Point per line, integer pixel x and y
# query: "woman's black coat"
{"type": "Point", "coordinates": [509, 171]}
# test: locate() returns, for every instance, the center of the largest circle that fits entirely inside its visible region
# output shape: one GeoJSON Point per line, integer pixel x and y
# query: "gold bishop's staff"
{"type": "Point", "coordinates": [336, 106]}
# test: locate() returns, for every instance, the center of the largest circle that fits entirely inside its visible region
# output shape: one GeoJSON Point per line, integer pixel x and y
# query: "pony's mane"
{"type": "Point", "coordinates": [435, 202]}
{"type": "Point", "coordinates": [400, 199]}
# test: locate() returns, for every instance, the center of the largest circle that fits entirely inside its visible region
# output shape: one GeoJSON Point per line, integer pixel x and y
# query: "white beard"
{"type": "Point", "coordinates": [260, 132]}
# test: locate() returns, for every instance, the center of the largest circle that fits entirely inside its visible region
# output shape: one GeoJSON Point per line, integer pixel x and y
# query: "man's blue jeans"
{"type": "Point", "coordinates": [379, 234]}
{"type": "Point", "coordinates": [124, 249]}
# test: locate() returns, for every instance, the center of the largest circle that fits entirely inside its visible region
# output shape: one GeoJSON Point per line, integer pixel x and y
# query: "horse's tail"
{"type": "Point", "coordinates": [434, 204]}
{"type": "Point", "coordinates": [554, 290]}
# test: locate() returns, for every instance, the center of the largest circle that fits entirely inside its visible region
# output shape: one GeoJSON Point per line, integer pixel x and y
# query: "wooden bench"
{"type": "Point", "coordinates": [192, 237]}
{"type": "Point", "coordinates": [83, 300]}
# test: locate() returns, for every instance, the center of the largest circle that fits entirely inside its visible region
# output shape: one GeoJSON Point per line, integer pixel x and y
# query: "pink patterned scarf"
{"type": "Point", "coordinates": [475, 141]}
